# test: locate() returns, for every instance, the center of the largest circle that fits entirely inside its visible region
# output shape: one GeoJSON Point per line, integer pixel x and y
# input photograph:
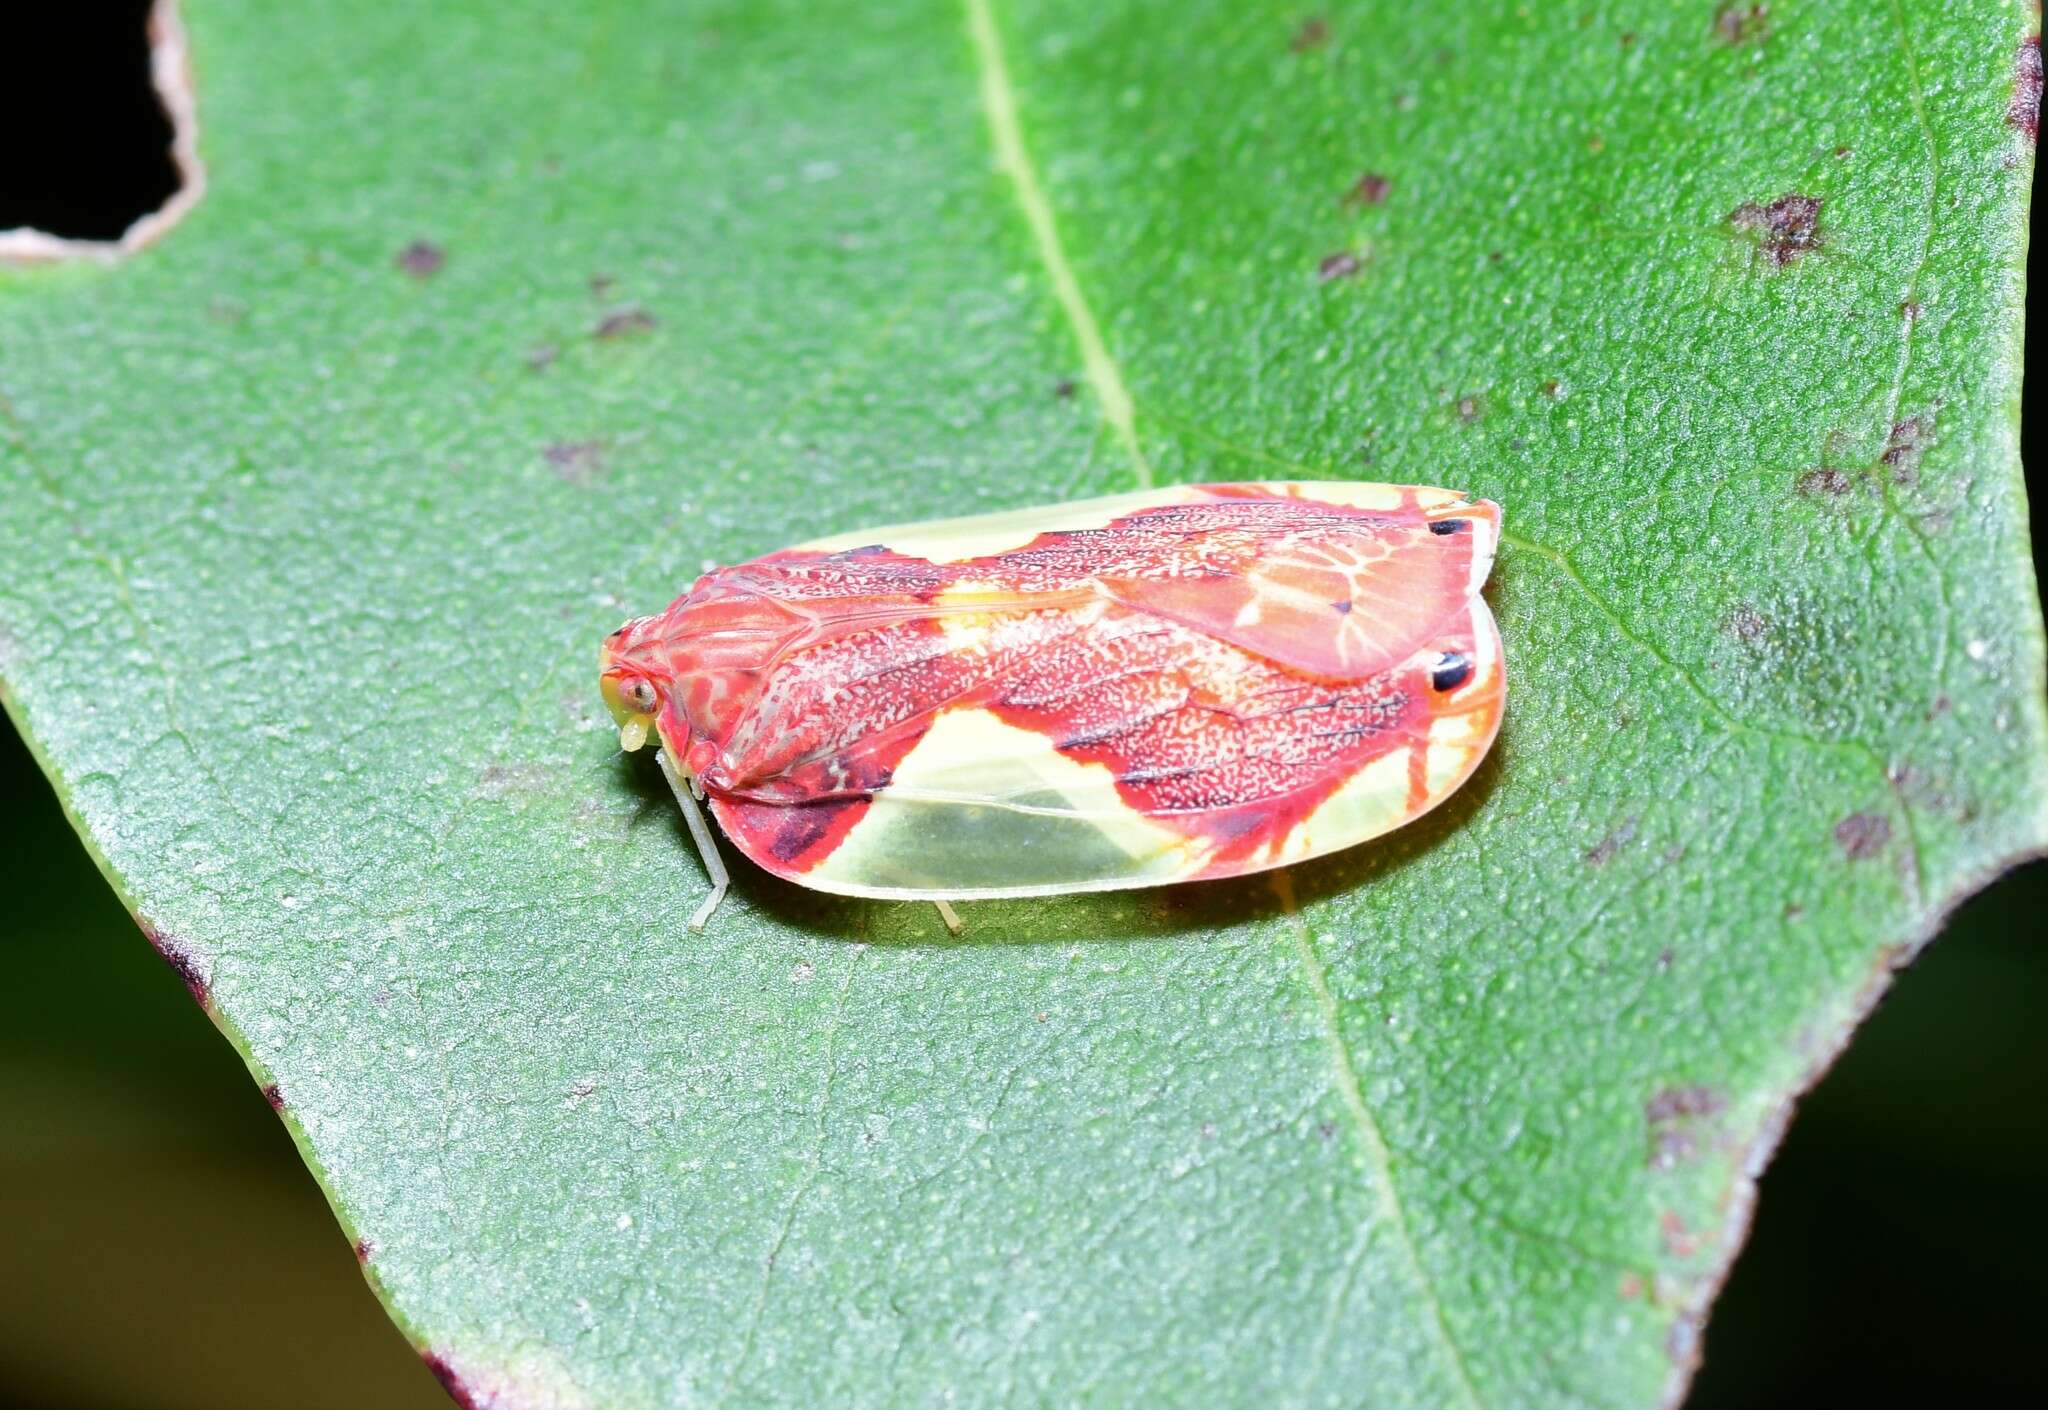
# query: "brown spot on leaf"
{"type": "Point", "coordinates": [578, 462]}
{"type": "Point", "coordinates": [1742, 24]}
{"type": "Point", "coordinates": [1628, 39]}
{"type": "Point", "coordinates": [458, 1390]}
{"type": "Point", "coordinates": [1341, 265]}
{"type": "Point", "coordinates": [1826, 480]}
{"type": "Point", "coordinates": [622, 323]}
{"type": "Point", "coordinates": [1862, 836]}
{"type": "Point", "coordinates": [1369, 190]}
{"type": "Point", "coordinates": [1064, 389]}
{"type": "Point", "coordinates": [1909, 439]}
{"type": "Point", "coordinates": [1681, 1242]}
{"type": "Point", "coordinates": [1748, 624]}
{"type": "Point", "coordinates": [1786, 228]}
{"type": "Point", "coordinates": [1603, 852]}
{"type": "Point", "coordinates": [1671, 1103]}
{"type": "Point", "coordinates": [498, 780]}
{"type": "Point", "coordinates": [422, 259]}
{"type": "Point", "coordinates": [1314, 33]}
{"type": "Point", "coordinates": [366, 1249]}
{"type": "Point", "coordinates": [2024, 111]}
{"type": "Point", "coordinates": [182, 962]}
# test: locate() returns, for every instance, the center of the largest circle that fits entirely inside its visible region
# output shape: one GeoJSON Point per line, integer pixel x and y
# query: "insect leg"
{"type": "Point", "coordinates": [950, 916]}
{"type": "Point", "coordinates": [700, 833]}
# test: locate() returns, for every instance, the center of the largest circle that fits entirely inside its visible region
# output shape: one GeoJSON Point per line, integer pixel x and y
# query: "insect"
{"type": "Point", "coordinates": [1184, 683]}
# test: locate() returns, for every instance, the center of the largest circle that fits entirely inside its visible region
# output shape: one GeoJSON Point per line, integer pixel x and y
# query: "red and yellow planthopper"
{"type": "Point", "coordinates": [1185, 683]}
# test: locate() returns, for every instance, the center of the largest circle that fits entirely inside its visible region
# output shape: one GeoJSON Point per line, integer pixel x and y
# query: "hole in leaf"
{"type": "Point", "coordinates": [102, 157]}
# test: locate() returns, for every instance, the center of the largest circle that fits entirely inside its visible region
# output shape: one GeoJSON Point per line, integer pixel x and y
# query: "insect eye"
{"type": "Point", "coordinates": [638, 693]}
{"type": "Point", "coordinates": [1441, 527]}
{"type": "Point", "coordinates": [1452, 670]}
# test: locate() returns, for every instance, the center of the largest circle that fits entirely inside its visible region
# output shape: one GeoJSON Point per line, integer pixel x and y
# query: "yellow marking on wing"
{"type": "Point", "coordinates": [980, 808]}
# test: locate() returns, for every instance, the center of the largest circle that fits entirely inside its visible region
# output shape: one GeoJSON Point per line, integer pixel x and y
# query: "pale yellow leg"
{"type": "Point", "coordinates": [700, 833]}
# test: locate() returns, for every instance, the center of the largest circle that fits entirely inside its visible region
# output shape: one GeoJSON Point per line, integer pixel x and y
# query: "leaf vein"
{"type": "Point", "coordinates": [1006, 134]}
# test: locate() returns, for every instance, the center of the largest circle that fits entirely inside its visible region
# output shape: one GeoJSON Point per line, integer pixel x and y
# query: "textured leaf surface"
{"type": "Point", "coordinates": [309, 542]}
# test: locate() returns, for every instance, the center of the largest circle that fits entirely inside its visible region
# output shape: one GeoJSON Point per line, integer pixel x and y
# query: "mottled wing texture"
{"type": "Point", "coordinates": [1201, 682]}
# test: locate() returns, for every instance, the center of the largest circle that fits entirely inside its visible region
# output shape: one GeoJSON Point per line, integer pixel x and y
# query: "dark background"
{"type": "Point", "coordinates": [165, 1248]}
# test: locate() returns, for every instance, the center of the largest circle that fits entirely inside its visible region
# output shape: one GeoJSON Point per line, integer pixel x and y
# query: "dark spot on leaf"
{"type": "Point", "coordinates": [181, 962]}
{"type": "Point", "coordinates": [1554, 389]}
{"type": "Point", "coordinates": [1064, 389]}
{"type": "Point", "coordinates": [601, 286]}
{"type": "Point", "coordinates": [2024, 111]}
{"type": "Point", "coordinates": [1786, 228]}
{"type": "Point", "coordinates": [422, 259]}
{"type": "Point", "coordinates": [458, 1390]}
{"type": "Point", "coordinates": [1341, 265]}
{"type": "Point", "coordinates": [1843, 151]}
{"type": "Point", "coordinates": [578, 462]}
{"type": "Point", "coordinates": [1326, 1130]}
{"type": "Point", "coordinates": [274, 1095]}
{"type": "Point", "coordinates": [1909, 439]}
{"type": "Point", "coordinates": [1826, 480]}
{"type": "Point", "coordinates": [1674, 1102]}
{"type": "Point", "coordinates": [1628, 39]}
{"type": "Point", "coordinates": [1603, 852]}
{"type": "Point", "coordinates": [1742, 24]}
{"type": "Point", "coordinates": [1313, 34]}
{"type": "Point", "coordinates": [1682, 1243]}
{"type": "Point", "coordinates": [366, 1249]}
{"type": "Point", "coordinates": [1672, 1116]}
{"type": "Point", "coordinates": [498, 780]}
{"type": "Point", "coordinates": [1682, 1342]}
{"type": "Point", "coordinates": [1664, 958]}
{"type": "Point", "coordinates": [1748, 623]}
{"type": "Point", "coordinates": [624, 322]}
{"type": "Point", "coordinates": [1862, 836]}
{"type": "Point", "coordinates": [1369, 190]}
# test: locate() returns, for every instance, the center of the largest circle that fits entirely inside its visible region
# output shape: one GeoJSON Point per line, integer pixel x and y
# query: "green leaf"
{"type": "Point", "coordinates": [309, 544]}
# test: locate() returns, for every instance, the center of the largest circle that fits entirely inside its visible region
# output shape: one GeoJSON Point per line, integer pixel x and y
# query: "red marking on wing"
{"type": "Point", "coordinates": [1337, 592]}
{"type": "Point", "coordinates": [1213, 740]}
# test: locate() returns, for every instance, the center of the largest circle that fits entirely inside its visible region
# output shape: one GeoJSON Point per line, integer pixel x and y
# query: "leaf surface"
{"type": "Point", "coordinates": [497, 324]}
